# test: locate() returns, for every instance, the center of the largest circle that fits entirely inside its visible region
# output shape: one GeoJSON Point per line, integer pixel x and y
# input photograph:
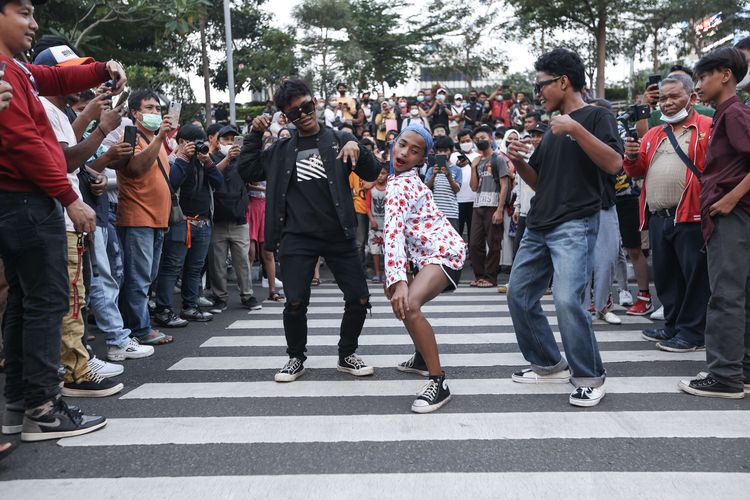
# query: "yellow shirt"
{"type": "Point", "coordinates": [359, 193]}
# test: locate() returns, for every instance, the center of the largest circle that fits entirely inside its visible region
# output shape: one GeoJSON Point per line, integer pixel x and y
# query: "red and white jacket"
{"type": "Point", "coordinates": [415, 230]}
{"type": "Point", "coordinates": [689, 207]}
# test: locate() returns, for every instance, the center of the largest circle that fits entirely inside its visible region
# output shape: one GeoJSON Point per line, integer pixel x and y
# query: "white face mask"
{"type": "Point", "coordinates": [676, 118]}
{"type": "Point", "coordinates": [224, 148]}
{"type": "Point", "coordinates": [414, 112]}
{"type": "Point", "coordinates": [172, 144]}
{"type": "Point", "coordinates": [466, 147]}
{"type": "Point", "coordinates": [744, 82]}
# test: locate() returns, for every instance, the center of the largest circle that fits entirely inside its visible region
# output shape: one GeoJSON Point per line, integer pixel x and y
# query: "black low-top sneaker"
{"type": "Point", "coordinates": [93, 386]}
{"type": "Point", "coordinates": [252, 303]}
{"type": "Point", "coordinates": [195, 314]}
{"type": "Point", "coordinates": [169, 319]}
{"type": "Point", "coordinates": [432, 396]}
{"type": "Point", "coordinates": [292, 370]}
{"type": "Point", "coordinates": [586, 396]}
{"type": "Point", "coordinates": [354, 365]}
{"type": "Point", "coordinates": [219, 307]}
{"type": "Point", "coordinates": [56, 420]}
{"type": "Point", "coordinates": [708, 386]}
{"type": "Point", "coordinates": [415, 364]}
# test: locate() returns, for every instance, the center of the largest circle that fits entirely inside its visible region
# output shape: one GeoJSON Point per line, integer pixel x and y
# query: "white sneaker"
{"type": "Point", "coordinates": [658, 315]}
{"type": "Point", "coordinates": [104, 369]}
{"type": "Point", "coordinates": [132, 350]}
{"type": "Point", "coordinates": [587, 396]}
{"type": "Point", "coordinates": [610, 318]}
{"type": "Point", "coordinates": [626, 298]}
{"type": "Point", "coordinates": [278, 282]}
{"type": "Point", "coordinates": [204, 302]}
{"type": "Point", "coordinates": [528, 376]}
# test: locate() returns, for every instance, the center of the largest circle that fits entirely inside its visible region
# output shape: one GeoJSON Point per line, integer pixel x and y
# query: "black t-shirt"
{"type": "Point", "coordinates": [609, 191]}
{"type": "Point", "coordinates": [309, 205]}
{"type": "Point", "coordinates": [195, 192]}
{"type": "Point", "coordinates": [570, 185]}
{"type": "Point", "coordinates": [440, 116]}
{"type": "Point", "coordinates": [473, 113]}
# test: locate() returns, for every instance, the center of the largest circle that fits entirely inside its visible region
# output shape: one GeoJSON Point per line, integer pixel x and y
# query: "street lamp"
{"type": "Point", "coordinates": [230, 60]}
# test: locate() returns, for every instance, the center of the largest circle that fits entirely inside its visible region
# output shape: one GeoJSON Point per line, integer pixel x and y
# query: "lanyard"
{"type": "Point", "coordinates": [28, 74]}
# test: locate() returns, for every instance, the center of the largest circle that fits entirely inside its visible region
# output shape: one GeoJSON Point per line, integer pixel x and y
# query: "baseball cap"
{"type": "Point", "coordinates": [228, 130]}
{"type": "Point", "coordinates": [61, 55]}
{"type": "Point", "coordinates": [540, 128]}
{"type": "Point", "coordinates": [458, 96]}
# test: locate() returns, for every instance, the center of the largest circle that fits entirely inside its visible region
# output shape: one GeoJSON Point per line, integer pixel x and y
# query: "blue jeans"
{"type": "Point", "coordinates": [104, 293]}
{"type": "Point", "coordinates": [606, 251]}
{"type": "Point", "coordinates": [114, 252]}
{"type": "Point", "coordinates": [141, 248]}
{"type": "Point", "coordinates": [567, 253]}
{"type": "Point", "coordinates": [177, 259]}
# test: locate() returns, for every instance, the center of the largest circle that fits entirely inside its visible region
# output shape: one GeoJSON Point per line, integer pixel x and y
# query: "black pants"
{"type": "Point", "coordinates": [680, 276]}
{"type": "Point", "coordinates": [33, 245]}
{"type": "Point", "coordinates": [465, 210]}
{"type": "Point", "coordinates": [297, 257]}
{"type": "Point", "coordinates": [520, 229]}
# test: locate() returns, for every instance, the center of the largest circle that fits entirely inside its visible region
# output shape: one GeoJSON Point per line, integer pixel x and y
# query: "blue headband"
{"type": "Point", "coordinates": [413, 127]}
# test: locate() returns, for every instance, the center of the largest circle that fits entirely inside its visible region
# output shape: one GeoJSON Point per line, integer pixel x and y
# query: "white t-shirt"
{"type": "Point", "coordinates": [64, 133]}
{"type": "Point", "coordinates": [465, 194]}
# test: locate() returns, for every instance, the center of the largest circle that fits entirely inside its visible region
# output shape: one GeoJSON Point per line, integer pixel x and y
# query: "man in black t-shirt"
{"type": "Point", "coordinates": [567, 171]}
{"type": "Point", "coordinates": [310, 214]}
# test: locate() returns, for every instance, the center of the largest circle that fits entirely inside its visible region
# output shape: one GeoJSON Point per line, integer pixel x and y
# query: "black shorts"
{"type": "Point", "coordinates": [630, 221]}
{"type": "Point", "coordinates": [454, 276]}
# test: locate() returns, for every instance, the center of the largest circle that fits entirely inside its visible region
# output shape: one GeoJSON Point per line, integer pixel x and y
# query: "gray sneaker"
{"type": "Point", "coordinates": [13, 418]}
{"type": "Point", "coordinates": [195, 314]}
{"type": "Point", "coordinates": [168, 319]}
{"type": "Point", "coordinates": [56, 420]}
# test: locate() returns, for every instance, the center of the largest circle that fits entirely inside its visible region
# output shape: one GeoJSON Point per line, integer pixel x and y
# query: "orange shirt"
{"type": "Point", "coordinates": [144, 201]}
{"type": "Point", "coordinates": [359, 193]}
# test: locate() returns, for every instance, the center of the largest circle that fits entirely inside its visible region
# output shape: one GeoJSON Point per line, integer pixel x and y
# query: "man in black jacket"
{"type": "Point", "coordinates": [309, 214]}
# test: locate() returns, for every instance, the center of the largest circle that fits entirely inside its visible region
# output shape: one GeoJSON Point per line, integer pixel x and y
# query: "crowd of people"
{"type": "Point", "coordinates": [112, 207]}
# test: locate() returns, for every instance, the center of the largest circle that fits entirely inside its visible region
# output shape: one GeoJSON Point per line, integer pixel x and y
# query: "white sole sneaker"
{"type": "Point", "coordinates": [406, 369]}
{"type": "Point", "coordinates": [684, 386]}
{"type": "Point", "coordinates": [430, 408]}
{"type": "Point", "coordinates": [528, 376]}
{"type": "Point", "coordinates": [588, 403]}
{"type": "Point", "coordinates": [102, 393]}
{"type": "Point", "coordinates": [121, 355]}
{"type": "Point", "coordinates": [287, 377]}
{"type": "Point", "coordinates": [30, 437]}
{"type": "Point", "coordinates": [362, 372]}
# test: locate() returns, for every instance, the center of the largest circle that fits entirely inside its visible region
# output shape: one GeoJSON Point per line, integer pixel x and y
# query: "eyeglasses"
{"type": "Point", "coordinates": [295, 114]}
{"type": "Point", "coordinates": [538, 86]}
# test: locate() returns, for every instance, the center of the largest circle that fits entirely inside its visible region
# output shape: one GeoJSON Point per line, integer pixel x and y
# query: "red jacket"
{"type": "Point", "coordinates": [689, 208]}
{"type": "Point", "coordinates": [31, 159]}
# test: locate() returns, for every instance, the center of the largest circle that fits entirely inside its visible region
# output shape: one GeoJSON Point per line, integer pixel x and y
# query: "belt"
{"type": "Point", "coordinates": [666, 212]}
{"type": "Point", "coordinates": [197, 222]}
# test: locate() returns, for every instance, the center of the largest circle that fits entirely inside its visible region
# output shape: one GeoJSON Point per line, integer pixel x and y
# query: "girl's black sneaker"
{"type": "Point", "coordinates": [432, 396]}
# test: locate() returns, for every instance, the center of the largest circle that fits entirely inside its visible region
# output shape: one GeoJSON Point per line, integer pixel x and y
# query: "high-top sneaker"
{"type": "Point", "coordinates": [642, 306]}
{"type": "Point", "coordinates": [13, 418]}
{"type": "Point", "coordinates": [415, 364]}
{"type": "Point", "coordinates": [55, 420]}
{"type": "Point", "coordinates": [432, 396]}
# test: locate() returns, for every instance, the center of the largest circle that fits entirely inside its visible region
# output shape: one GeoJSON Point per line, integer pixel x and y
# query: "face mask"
{"type": "Point", "coordinates": [440, 97]}
{"type": "Point", "coordinates": [414, 112]}
{"type": "Point", "coordinates": [744, 82]}
{"type": "Point", "coordinates": [224, 148]}
{"type": "Point", "coordinates": [392, 103]}
{"type": "Point", "coordinates": [499, 98]}
{"type": "Point", "coordinates": [459, 102]}
{"type": "Point", "coordinates": [473, 99]}
{"type": "Point", "coordinates": [681, 115]}
{"type": "Point", "coordinates": [172, 144]}
{"type": "Point", "coordinates": [483, 145]}
{"type": "Point", "coordinates": [151, 121]}
{"type": "Point", "coordinates": [420, 98]}
{"type": "Point", "coordinates": [466, 147]}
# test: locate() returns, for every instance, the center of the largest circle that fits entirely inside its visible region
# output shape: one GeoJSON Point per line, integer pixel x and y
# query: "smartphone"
{"type": "Point", "coordinates": [130, 135]}
{"type": "Point", "coordinates": [175, 108]}
{"type": "Point", "coordinates": [464, 158]}
{"type": "Point", "coordinates": [2, 69]}
{"type": "Point", "coordinates": [441, 160]}
{"type": "Point", "coordinates": [122, 98]}
{"type": "Point", "coordinates": [653, 80]}
{"type": "Point", "coordinates": [239, 140]}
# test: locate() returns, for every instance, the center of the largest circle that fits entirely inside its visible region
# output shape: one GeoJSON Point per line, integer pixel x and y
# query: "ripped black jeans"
{"type": "Point", "coordinates": [298, 255]}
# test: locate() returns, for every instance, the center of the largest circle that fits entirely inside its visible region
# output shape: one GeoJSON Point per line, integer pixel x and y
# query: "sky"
{"type": "Point", "coordinates": [520, 58]}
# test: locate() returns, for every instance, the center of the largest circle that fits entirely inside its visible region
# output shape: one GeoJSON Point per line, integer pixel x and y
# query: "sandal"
{"type": "Point", "coordinates": [276, 297]}
{"type": "Point", "coordinates": [156, 338]}
{"type": "Point", "coordinates": [484, 284]}
{"type": "Point", "coordinates": [474, 284]}
{"type": "Point", "coordinates": [315, 282]}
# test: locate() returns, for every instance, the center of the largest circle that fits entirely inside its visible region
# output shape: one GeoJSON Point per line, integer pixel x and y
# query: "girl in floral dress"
{"type": "Point", "coordinates": [417, 232]}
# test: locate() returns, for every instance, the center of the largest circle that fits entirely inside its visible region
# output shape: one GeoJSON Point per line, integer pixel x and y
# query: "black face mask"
{"type": "Point", "coordinates": [483, 145]}
{"type": "Point", "coordinates": [473, 99]}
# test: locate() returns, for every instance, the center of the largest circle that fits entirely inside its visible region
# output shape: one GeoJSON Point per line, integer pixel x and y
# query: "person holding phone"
{"type": "Point", "coordinates": [444, 179]}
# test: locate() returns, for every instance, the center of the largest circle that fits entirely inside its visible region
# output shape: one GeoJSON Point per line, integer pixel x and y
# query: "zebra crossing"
{"type": "Point", "coordinates": [211, 423]}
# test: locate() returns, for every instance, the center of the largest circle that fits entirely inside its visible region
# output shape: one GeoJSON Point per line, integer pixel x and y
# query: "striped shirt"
{"type": "Point", "coordinates": [445, 198]}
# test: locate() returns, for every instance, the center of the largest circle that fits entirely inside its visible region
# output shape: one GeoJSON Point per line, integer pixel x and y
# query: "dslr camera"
{"type": "Point", "coordinates": [634, 113]}
{"type": "Point", "coordinates": [200, 147]}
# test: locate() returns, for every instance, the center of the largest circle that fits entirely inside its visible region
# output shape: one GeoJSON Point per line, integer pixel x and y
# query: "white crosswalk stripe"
{"type": "Point", "coordinates": [221, 398]}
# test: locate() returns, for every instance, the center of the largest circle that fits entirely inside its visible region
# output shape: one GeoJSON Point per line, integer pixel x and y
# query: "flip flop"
{"type": "Point", "coordinates": [276, 297]}
{"type": "Point", "coordinates": [474, 283]}
{"type": "Point", "coordinates": [484, 284]}
{"type": "Point", "coordinates": [156, 338]}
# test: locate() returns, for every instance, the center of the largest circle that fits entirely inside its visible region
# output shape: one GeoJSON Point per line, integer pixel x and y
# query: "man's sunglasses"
{"type": "Point", "coordinates": [307, 108]}
{"type": "Point", "coordinates": [538, 86]}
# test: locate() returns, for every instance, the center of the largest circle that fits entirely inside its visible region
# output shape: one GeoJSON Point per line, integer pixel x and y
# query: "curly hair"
{"type": "Point", "coordinates": [559, 62]}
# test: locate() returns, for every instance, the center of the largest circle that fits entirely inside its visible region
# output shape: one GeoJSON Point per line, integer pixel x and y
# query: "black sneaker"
{"type": "Point", "coordinates": [415, 364]}
{"type": "Point", "coordinates": [219, 307]}
{"type": "Point", "coordinates": [432, 396]}
{"type": "Point", "coordinates": [587, 396]}
{"type": "Point", "coordinates": [252, 303]}
{"type": "Point", "coordinates": [56, 420]}
{"type": "Point", "coordinates": [195, 314]}
{"type": "Point", "coordinates": [710, 387]}
{"type": "Point", "coordinates": [354, 365]}
{"type": "Point", "coordinates": [292, 370]}
{"type": "Point", "coordinates": [94, 386]}
{"type": "Point", "coordinates": [657, 334]}
{"type": "Point", "coordinates": [169, 319]}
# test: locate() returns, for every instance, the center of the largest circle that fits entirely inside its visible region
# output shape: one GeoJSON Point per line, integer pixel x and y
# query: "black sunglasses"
{"type": "Point", "coordinates": [538, 86]}
{"type": "Point", "coordinates": [307, 108]}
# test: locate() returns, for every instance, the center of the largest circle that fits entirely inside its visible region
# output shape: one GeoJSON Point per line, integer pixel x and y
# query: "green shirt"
{"type": "Point", "coordinates": [655, 118]}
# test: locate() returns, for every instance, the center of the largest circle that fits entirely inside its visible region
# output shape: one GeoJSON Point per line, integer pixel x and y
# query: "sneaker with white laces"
{"type": "Point", "coordinates": [432, 396]}
{"type": "Point", "coordinates": [706, 385]}
{"type": "Point", "coordinates": [56, 420]}
{"type": "Point", "coordinates": [587, 396]}
{"type": "Point", "coordinates": [354, 365]}
{"type": "Point", "coordinates": [291, 371]}
{"type": "Point", "coordinates": [658, 315]}
{"type": "Point", "coordinates": [93, 386]}
{"type": "Point", "coordinates": [626, 298]}
{"type": "Point", "coordinates": [132, 350]}
{"type": "Point", "coordinates": [415, 364]}
{"type": "Point", "coordinates": [642, 307]}
{"type": "Point", "coordinates": [529, 376]}
{"type": "Point", "coordinates": [104, 369]}
{"type": "Point", "coordinates": [610, 318]}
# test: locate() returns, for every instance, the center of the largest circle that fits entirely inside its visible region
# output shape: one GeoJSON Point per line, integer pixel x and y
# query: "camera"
{"type": "Point", "coordinates": [634, 113]}
{"type": "Point", "coordinates": [200, 147]}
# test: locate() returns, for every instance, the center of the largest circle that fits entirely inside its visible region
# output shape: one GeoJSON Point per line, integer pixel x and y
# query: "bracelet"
{"type": "Point", "coordinates": [101, 130]}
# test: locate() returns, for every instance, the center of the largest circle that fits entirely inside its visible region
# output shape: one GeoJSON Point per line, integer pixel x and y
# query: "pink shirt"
{"type": "Point", "coordinates": [415, 230]}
